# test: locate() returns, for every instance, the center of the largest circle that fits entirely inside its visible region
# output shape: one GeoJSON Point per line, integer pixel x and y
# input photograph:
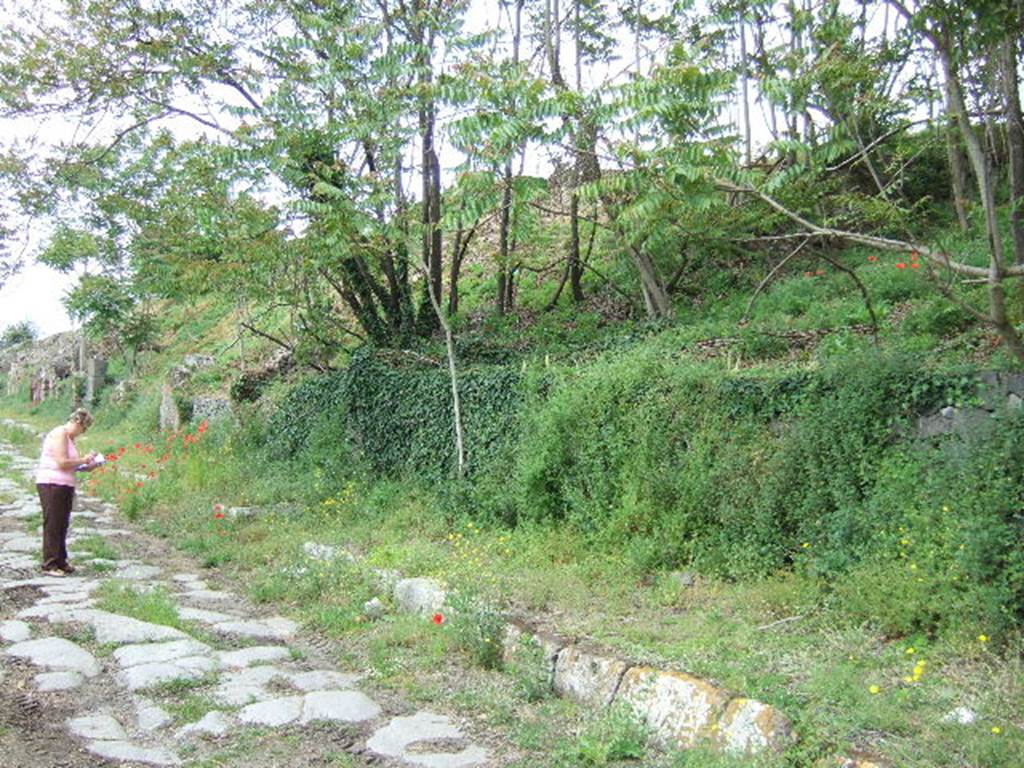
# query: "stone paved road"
{"type": "Point", "coordinates": [85, 687]}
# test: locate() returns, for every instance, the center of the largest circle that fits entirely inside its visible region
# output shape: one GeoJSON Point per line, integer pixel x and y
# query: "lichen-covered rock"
{"type": "Point", "coordinates": [170, 412]}
{"type": "Point", "coordinates": [211, 408]}
{"type": "Point", "coordinates": [587, 677]}
{"type": "Point", "coordinates": [422, 596]}
{"type": "Point", "coordinates": [680, 710]}
{"type": "Point", "coordinates": [749, 727]}
{"type": "Point", "coordinates": [523, 648]}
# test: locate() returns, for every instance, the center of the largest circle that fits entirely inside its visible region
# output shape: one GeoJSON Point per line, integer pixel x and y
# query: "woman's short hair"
{"type": "Point", "coordinates": [81, 416]}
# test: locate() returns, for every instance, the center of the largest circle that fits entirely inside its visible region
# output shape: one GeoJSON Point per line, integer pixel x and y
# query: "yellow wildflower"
{"type": "Point", "coordinates": [874, 689]}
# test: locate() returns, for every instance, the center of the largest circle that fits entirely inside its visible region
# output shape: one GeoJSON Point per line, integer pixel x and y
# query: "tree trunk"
{"type": "Point", "coordinates": [986, 188]}
{"type": "Point", "coordinates": [504, 278]}
{"type": "Point", "coordinates": [1015, 139]}
{"type": "Point", "coordinates": [745, 90]}
{"type": "Point", "coordinates": [958, 176]}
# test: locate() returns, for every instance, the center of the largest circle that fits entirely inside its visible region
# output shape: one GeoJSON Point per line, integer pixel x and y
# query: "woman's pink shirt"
{"type": "Point", "coordinates": [48, 471]}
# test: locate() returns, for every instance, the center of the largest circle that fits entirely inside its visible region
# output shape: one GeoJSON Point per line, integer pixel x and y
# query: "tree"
{"type": "Point", "coordinates": [18, 333]}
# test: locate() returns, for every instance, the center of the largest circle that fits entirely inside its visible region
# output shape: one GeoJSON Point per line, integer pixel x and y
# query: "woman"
{"type": "Point", "coordinates": [55, 481]}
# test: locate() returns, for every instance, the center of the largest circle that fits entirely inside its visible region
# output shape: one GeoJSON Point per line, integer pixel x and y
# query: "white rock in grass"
{"type": "Point", "coordinates": [961, 716]}
{"type": "Point", "coordinates": [422, 596]}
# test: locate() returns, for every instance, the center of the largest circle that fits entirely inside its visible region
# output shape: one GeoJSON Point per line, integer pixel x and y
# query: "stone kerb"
{"type": "Point", "coordinates": [682, 711]}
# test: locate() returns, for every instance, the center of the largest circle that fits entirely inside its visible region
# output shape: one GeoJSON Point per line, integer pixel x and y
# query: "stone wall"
{"type": "Point", "coordinates": [44, 366]}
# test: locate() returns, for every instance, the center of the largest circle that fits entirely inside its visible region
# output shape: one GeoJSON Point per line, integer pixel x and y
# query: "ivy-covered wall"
{"type": "Point", "coordinates": [736, 474]}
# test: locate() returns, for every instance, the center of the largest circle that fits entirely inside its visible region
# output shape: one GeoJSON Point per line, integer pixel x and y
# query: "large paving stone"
{"type": "Point", "coordinates": [53, 612]}
{"type": "Point", "coordinates": [137, 572]}
{"type": "Point", "coordinates": [246, 657]}
{"type": "Point", "coordinates": [245, 686]}
{"type": "Point", "coordinates": [146, 675]}
{"type": "Point", "coordinates": [99, 726]}
{"type": "Point", "coordinates": [58, 681]}
{"type": "Point", "coordinates": [130, 753]}
{"type": "Point", "coordinates": [213, 723]}
{"type": "Point", "coordinates": [208, 596]}
{"type": "Point", "coordinates": [403, 738]}
{"type": "Point", "coordinates": [273, 713]}
{"type": "Point", "coordinates": [149, 716]}
{"type": "Point", "coordinates": [23, 544]}
{"type": "Point", "coordinates": [15, 631]}
{"type": "Point", "coordinates": [343, 706]}
{"type": "Point", "coordinates": [114, 629]}
{"type": "Point", "coordinates": [749, 727]}
{"type": "Point", "coordinates": [587, 677]}
{"type": "Point", "coordinates": [205, 617]}
{"type": "Point", "coordinates": [322, 680]}
{"type": "Point", "coordinates": [154, 653]}
{"type": "Point", "coordinates": [680, 710]}
{"type": "Point", "coordinates": [57, 654]}
{"type": "Point", "coordinates": [422, 596]}
{"type": "Point", "coordinates": [275, 628]}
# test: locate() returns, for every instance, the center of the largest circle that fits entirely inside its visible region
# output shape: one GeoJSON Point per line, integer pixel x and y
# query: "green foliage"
{"type": "Point", "coordinates": [18, 333]}
{"type": "Point", "coordinates": [478, 628]}
{"type": "Point", "coordinates": [940, 318]}
{"type": "Point", "coordinates": [742, 477]}
{"type": "Point", "coordinates": [372, 402]}
{"type": "Point", "coordinates": [613, 735]}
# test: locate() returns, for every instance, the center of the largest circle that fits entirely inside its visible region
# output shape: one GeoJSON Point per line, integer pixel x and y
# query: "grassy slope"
{"type": "Point", "coordinates": [775, 639]}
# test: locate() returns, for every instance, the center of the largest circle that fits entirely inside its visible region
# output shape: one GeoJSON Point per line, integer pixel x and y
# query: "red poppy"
{"type": "Point", "coordinates": [112, 457]}
{"type": "Point", "coordinates": [218, 507]}
{"type": "Point", "coordinates": [872, 258]}
{"type": "Point", "coordinates": [122, 451]}
{"type": "Point", "coordinates": [820, 272]}
{"type": "Point", "coordinates": [901, 265]}
{"type": "Point", "coordinates": [808, 274]}
{"type": "Point", "coordinates": [138, 446]}
{"type": "Point", "coordinates": [219, 516]}
{"type": "Point", "coordinates": [915, 265]}
{"type": "Point", "coordinates": [138, 485]}
{"type": "Point", "coordinates": [205, 425]}
{"type": "Point", "coordinates": [439, 618]}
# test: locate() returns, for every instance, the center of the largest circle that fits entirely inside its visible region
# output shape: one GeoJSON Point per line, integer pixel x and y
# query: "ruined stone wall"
{"type": "Point", "coordinates": [44, 367]}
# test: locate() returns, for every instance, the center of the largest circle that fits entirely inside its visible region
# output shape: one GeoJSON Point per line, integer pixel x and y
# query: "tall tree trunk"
{"type": "Point", "coordinates": [431, 174]}
{"type": "Point", "coordinates": [958, 175]}
{"type": "Point", "coordinates": [504, 278]}
{"type": "Point", "coordinates": [986, 188]}
{"type": "Point", "coordinates": [656, 298]}
{"type": "Point", "coordinates": [503, 302]}
{"type": "Point", "coordinates": [1015, 139]}
{"type": "Point", "coordinates": [745, 89]}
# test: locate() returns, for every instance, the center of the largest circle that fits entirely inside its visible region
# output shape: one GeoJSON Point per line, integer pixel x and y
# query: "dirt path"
{"type": "Point", "coordinates": [83, 686]}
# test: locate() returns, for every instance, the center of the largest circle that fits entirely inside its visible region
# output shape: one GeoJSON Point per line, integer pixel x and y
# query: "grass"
{"type": "Point", "coordinates": [155, 606]}
{"type": "Point", "coordinates": [98, 547]}
{"type": "Point", "coordinates": [191, 707]}
{"type": "Point", "coordinates": [781, 639]}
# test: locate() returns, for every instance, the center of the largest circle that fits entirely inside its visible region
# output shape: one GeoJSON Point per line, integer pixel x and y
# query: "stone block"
{"type": "Point", "coordinates": [211, 408]}
{"type": "Point", "coordinates": [170, 413]}
{"type": "Point", "coordinates": [422, 596]}
{"type": "Point", "coordinates": [679, 709]}
{"type": "Point", "coordinates": [587, 677]}
{"type": "Point", "coordinates": [749, 727]}
{"type": "Point", "coordinates": [522, 647]}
